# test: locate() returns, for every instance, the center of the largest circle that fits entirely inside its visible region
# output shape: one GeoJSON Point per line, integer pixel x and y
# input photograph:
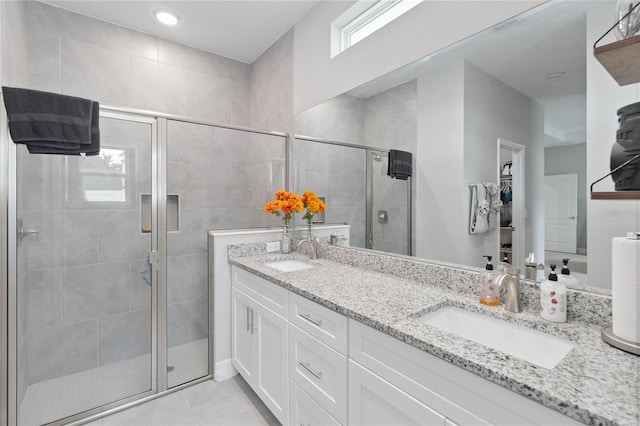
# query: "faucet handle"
{"type": "Point", "coordinates": [510, 269]}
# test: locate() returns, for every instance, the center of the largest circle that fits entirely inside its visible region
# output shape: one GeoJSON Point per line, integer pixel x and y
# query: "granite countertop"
{"type": "Point", "coordinates": [595, 383]}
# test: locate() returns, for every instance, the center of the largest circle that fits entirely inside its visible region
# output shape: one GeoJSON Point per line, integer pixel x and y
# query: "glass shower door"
{"type": "Point", "coordinates": [389, 208]}
{"type": "Point", "coordinates": [217, 178]}
{"type": "Point", "coordinates": [84, 284]}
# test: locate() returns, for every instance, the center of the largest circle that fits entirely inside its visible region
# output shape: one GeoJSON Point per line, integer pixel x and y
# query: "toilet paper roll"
{"type": "Point", "coordinates": [625, 278]}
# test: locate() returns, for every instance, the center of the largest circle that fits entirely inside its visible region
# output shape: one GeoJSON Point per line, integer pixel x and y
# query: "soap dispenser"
{"type": "Point", "coordinates": [489, 290]}
{"type": "Point", "coordinates": [553, 298]}
{"type": "Point", "coordinates": [565, 275]}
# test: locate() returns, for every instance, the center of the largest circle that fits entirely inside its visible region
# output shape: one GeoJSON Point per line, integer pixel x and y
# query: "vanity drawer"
{"type": "Point", "coordinates": [322, 323]}
{"type": "Point", "coordinates": [306, 411]}
{"type": "Point", "coordinates": [320, 371]}
{"type": "Point", "coordinates": [267, 293]}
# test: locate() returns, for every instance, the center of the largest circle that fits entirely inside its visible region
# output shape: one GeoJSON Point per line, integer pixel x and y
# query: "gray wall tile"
{"type": "Point", "coordinates": [184, 56]}
{"type": "Point", "coordinates": [41, 177]}
{"type": "Point", "coordinates": [127, 134]}
{"type": "Point", "coordinates": [62, 349]}
{"type": "Point", "coordinates": [208, 97]}
{"type": "Point", "coordinates": [176, 278]}
{"type": "Point", "coordinates": [80, 237]}
{"type": "Point", "coordinates": [186, 323]}
{"type": "Point", "coordinates": [196, 277]}
{"type": "Point", "coordinates": [128, 41]}
{"type": "Point", "coordinates": [189, 142]}
{"type": "Point", "coordinates": [140, 289]}
{"type": "Point", "coordinates": [95, 290]}
{"type": "Point", "coordinates": [61, 22]}
{"type": "Point", "coordinates": [47, 251]}
{"type": "Point", "coordinates": [158, 87]}
{"type": "Point", "coordinates": [44, 298]}
{"type": "Point", "coordinates": [119, 237]}
{"type": "Point", "coordinates": [44, 61]}
{"type": "Point", "coordinates": [230, 69]}
{"type": "Point", "coordinates": [124, 336]}
{"type": "Point", "coordinates": [94, 72]}
{"type": "Point", "coordinates": [239, 104]}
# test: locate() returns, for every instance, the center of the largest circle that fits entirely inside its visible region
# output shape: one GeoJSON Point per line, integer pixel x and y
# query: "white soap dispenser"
{"type": "Point", "coordinates": [565, 276]}
{"type": "Point", "coordinates": [553, 298]}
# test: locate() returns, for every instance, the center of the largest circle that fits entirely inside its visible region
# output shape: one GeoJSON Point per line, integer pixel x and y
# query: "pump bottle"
{"type": "Point", "coordinates": [553, 298]}
{"type": "Point", "coordinates": [489, 291]}
{"type": "Point", "coordinates": [565, 276]}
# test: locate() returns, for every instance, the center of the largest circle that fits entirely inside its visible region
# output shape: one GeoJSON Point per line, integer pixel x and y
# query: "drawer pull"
{"type": "Point", "coordinates": [307, 366]}
{"type": "Point", "coordinates": [311, 320]}
{"type": "Point", "coordinates": [249, 319]}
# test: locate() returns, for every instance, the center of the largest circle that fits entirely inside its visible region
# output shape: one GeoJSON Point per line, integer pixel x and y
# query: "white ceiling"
{"type": "Point", "coordinates": [240, 29]}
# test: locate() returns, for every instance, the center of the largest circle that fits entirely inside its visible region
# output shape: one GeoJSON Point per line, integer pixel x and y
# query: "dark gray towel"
{"type": "Point", "coordinates": [400, 164]}
{"type": "Point", "coordinates": [50, 123]}
{"type": "Point", "coordinates": [70, 149]}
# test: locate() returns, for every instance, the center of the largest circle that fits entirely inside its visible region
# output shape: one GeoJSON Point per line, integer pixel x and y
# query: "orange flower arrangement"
{"type": "Point", "coordinates": [313, 204]}
{"type": "Point", "coordinates": [284, 205]}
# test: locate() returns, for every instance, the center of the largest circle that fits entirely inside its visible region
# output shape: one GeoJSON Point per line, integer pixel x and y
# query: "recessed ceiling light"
{"type": "Point", "coordinates": [166, 18]}
{"type": "Point", "coordinates": [555, 75]}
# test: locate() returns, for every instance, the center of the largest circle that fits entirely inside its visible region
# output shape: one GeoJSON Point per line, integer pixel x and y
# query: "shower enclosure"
{"type": "Point", "coordinates": [354, 181]}
{"type": "Point", "coordinates": [108, 301]}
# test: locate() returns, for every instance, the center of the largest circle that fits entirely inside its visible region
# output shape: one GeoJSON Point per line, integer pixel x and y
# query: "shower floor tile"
{"type": "Point", "coordinates": [67, 395]}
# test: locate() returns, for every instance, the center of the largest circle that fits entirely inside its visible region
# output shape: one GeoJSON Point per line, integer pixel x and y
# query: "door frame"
{"type": "Point", "coordinates": [518, 210]}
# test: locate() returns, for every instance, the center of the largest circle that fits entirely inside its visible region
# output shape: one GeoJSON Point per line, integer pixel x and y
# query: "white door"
{"type": "Point", "coordinates": [243, 342]}
{"type": "Point", "coordinates": [374, 401]}
{"type": "Point", "coordinates": [272, 380]}
{"type": "Point", "coordinates": [561, 212]}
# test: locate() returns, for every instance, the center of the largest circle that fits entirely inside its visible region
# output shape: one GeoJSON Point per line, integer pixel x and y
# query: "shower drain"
{"type": "Point", "coordinates": [170, 368]}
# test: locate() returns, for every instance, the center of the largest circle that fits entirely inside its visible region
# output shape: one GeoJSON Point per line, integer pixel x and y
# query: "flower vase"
{"type": "Point", "coordinates": [309, 236]}
{"type": "Point", "coordinates": [285, 247]}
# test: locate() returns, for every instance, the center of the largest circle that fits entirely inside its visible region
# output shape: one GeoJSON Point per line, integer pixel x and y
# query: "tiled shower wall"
{"type": "Point", "coordinates": [81, 56]}
{"type": "Point", "coordinates": [77, 55]}
{"type": "Point", "coordinates": [386, 120]}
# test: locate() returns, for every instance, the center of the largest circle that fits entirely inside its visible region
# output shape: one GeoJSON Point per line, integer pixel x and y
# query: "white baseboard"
{"type": "Point", "coordinates": [224, 370]}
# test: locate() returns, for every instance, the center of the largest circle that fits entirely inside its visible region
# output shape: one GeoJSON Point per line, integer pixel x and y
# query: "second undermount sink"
{"type": "Point", "coordinates": [530, 345]}
{"type": "Point", "coordinates": [289, 265]}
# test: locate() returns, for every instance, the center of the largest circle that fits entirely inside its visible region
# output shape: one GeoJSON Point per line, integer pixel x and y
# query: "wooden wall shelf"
{"type": "Point", "coordinates": [616, 195]}
{"type": "Point", "coordinates": [621, 59]}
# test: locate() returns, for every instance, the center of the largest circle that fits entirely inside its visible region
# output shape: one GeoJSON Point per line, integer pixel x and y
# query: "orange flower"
{"type": "Point", "coordinates": [313, 204]}
{"type": "Point", "coordinates": [284, 205]}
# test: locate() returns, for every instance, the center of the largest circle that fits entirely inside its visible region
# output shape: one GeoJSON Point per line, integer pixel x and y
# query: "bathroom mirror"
{"type": "Point", "coordinates": [523, 81]}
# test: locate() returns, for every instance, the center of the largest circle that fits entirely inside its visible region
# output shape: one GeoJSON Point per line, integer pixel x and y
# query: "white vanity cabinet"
{"type": "Point", "coordinates": [313, 366]}
{"type": "Point", "coordinates": [260, 339]}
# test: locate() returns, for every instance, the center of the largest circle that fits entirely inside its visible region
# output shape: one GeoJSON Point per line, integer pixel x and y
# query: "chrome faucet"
{"type": "Point", "coordinates": [509, 284]}
{"type": "Point", "coordinates": [335, 238]}
{"type": "Point", "coordinates": [313, 246]}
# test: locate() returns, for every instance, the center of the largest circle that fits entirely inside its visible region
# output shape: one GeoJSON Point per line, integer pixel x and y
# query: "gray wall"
{"type": "Point", "coordinates": [571, 159]}
{"type": "Point", "coordinates": [462, 113]}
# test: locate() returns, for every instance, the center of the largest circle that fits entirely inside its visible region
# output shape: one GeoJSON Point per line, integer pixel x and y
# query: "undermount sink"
{"type": "Point", "coordinates": [530, 345]}
{"type": "Point", "coordinates": [289, 265]}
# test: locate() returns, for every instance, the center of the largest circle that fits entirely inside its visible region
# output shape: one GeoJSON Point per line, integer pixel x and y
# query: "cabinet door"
{"type": "Point", "coordinates": [374, 401]}
{"type": "Point", "coordinates": [272, 379]}
{"type": "Point", "coordinates": [243, 341]}
{"type": "Point", "coordinates": [305, 411]}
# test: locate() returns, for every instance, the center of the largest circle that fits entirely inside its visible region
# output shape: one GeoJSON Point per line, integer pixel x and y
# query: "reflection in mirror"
{"type": "Point", "coordinates": [523, 81]}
